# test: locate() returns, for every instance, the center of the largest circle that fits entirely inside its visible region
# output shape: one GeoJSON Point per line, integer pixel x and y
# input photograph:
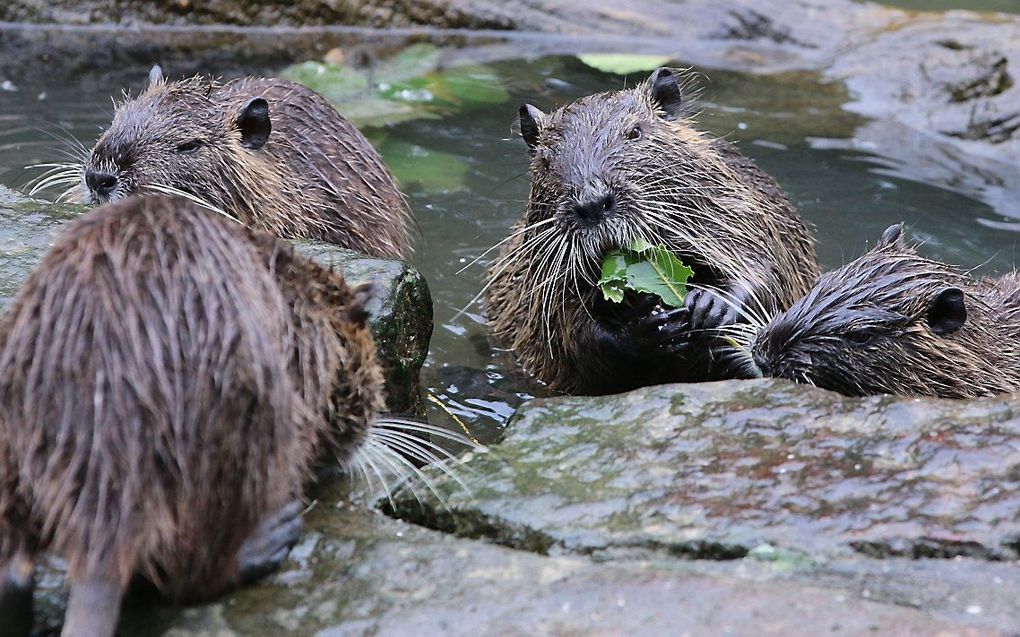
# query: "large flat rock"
{"type": "Point", "coordinates": [358, 572]}
{"type": "Point", "coordinates": [401, 313]}
{"type": "Point", "coordinates": [715, 470]}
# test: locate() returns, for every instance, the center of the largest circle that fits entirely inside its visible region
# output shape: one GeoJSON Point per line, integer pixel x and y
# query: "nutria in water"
{"type": "Point", "coordinates": [272, 153]}
{"type": "Point", "coordinates": [894, 322]}
{"type": "Point", "coordinates": [615, 167]}
{"type": "Point", "coordinates": [166, 379]}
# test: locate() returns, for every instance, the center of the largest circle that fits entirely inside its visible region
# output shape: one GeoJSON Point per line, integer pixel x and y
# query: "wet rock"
{"type": "Point", "coordinates": [401, 319]}
{"type": "Point", "coordinates": [357, 572]}
{"type": "Point", "coordinates": [715, 470]}
{"type": "Point", "coordinates": [401, 312]}
{"type": "Point", "coordinates": [942, 93]}
{"type": "Point", "coordinates": [252, 13]}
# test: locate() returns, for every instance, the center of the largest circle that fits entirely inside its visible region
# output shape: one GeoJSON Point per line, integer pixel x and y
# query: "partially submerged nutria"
{"type": "Point", "coordinates": [894, 322]}
{"type": "Point", "coordinates": [166, 380]}
{"type": "Point", "coordinates": [609, 169]}
{"type": "Point", "coordinates": [272, 153]}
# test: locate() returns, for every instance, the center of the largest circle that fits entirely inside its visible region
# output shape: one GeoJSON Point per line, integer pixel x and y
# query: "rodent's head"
{"type": "Point", "coordinates": [595, 162]}
{"type": "Point", "coordinates": [889, 322]}
{"type": "Point", "coordinates": [614, 167]}
{"type": "Point", "coordinates": [335, 362]}
{"type": "Point", "coordinates": [592, 160]}
{"type": "Point", "coordinates": [174, 138]}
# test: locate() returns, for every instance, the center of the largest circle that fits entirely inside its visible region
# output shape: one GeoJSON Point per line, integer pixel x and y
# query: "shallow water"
{"type": "Point", "coordinates": [465, 174]}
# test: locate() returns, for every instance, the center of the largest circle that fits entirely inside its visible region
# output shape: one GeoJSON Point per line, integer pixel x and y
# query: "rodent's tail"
{"type": "Point", "coordinates": [93, 608]}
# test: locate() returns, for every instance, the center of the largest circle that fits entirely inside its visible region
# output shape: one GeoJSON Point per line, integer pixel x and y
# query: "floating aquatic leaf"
{"type": "Point", "coordinates": [435, 171]}
{"type": "Point", "coordinates": [623, 63]}
{"type": "Point", "coordinates": [644, 267]}
{"type": "Point", "coordinates": [407, 86]}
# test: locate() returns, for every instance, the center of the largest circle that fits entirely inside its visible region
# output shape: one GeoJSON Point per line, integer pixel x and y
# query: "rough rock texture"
{"type": "Point", "coordinates": [401, 313]}
{"type": "Point", "coordinates": [252, 12]}
{"type": "Point", "coordinates": [716, 469]}
{"type": "Point", "coordinates": [765, 470]}
{"type": "Point", "coordinates": [357, 572]}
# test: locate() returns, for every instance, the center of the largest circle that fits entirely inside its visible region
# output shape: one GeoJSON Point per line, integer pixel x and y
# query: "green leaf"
{"type": "Point", "coordinates": [406, 86]}
{"type": "Point", "coordinates": [409, 63]}
{"type": "Point", "coordinates": [640, 246]}
{"type": "Point", "coordinates": [433, 170]}
{"type": "Point", "coordinates": [623, 63]}
{"type": "Point", "coordinates": [644, 267]}
{"type": "Point", "coordinates": [336, 83]}
{"type": "Point", "coordinates": [614, 276]}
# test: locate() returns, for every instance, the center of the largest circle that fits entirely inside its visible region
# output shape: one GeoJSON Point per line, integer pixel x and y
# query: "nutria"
{"type": "Point", "coordinates": [614, 167]}
{"type": "Point", "coordinates": [272, 153]}
{"type": "Point", "coordinates": [894, 322]}
{"type": "Point", "coordinates": [166, 379]}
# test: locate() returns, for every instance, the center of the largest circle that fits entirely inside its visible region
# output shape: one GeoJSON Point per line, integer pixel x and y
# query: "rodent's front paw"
{"type": "Point", "coordinates": [665, 331]}
{"type": "Point", "coordinates": [709, 310]}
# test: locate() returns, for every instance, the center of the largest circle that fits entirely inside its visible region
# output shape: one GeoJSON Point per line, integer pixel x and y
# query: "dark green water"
{"type": "Point", "coordinates": [1004, 6]}
{"type": "Point", "coordinates": [465, 174]}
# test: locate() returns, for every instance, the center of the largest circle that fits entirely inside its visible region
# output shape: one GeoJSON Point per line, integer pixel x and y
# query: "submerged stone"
{"type": "Point", "coordinates": [401, 313]}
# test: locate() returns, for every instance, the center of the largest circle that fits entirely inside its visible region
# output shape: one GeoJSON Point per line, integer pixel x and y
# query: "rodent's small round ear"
{"type": "Point", "coordinates": [893, 235]}
{"type": "Point", "coordinates": [357, 307]}
{"type": "Point", "coordinates": [665, 92]}
{"type": "Point", "coordinates": [947, 312]}
{"type": "Point", "coordinates": [155, 75]}
{"type": "Point", "coordinates": [254, 123]}
{"type": "Point", "coordinates": [531, 124]}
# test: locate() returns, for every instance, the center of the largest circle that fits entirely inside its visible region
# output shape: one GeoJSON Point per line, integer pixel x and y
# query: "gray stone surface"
{"type": "Point", "coordinates": [826, 487]}
{"type": "Point", "coordinates": [360, 573]}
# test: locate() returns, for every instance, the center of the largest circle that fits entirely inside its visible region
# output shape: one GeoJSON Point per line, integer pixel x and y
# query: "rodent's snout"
{"type": "Point", "coordinates": [592, 210]}
{"type": "Point", "coordinates": [761, 361]}
{"type": "Point", "coordinates": [101, 183]}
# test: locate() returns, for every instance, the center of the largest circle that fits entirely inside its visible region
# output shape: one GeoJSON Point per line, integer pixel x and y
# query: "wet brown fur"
{"type": "Point", "coordinates": [866, 328]}
{"type": "Point", "coordinates": [680, 187]}
{"type": "Point", "coordinates": [317, 176]}
{"type": "Point", "coordinates": [166, 379]}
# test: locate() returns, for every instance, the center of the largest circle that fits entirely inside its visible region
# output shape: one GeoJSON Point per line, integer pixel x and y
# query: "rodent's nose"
{"type": "Point", "coordinates": [595, 209]}
{"type": "Point", "coordinates": [762, 362]}
{"type": "Point", "coordinates": [101, 183]}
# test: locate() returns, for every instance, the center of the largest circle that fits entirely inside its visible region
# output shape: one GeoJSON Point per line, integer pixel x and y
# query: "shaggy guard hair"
{"type": "Point", "coordinates": [671, 185]}
{"type": "Point", "coordinates": [894, 322]}
{"type": "Point", "coordinates": [167, 378]}
{"type": "Point", "coordinates": [270, 153]}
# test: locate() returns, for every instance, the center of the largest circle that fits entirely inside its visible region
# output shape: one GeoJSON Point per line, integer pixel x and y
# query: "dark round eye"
{"type": "Point", "coordinates": [860, 337]}
{"type": "Point", "coordinates": [635, 132]}
{"type": "Point", "coordinates": [189, 147]}
{"type": "Point", "coordinates": [543, 163]}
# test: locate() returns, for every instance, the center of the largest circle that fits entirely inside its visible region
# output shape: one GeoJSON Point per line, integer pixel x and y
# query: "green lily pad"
{"type": "Point", "coordinates": [433, 170]}
{"type": "Point", "coordinates": [644, 267]}
{"type": "Point", "coordinates": [624, 63]}
{"type": "Point", "coordinates": [407, 86]}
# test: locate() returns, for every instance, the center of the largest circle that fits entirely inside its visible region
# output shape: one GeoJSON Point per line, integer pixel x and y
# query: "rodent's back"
{"type": "Point", "coordinates": [145, 392]}
{"type": "Point", "coordinates": [326, 158]}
